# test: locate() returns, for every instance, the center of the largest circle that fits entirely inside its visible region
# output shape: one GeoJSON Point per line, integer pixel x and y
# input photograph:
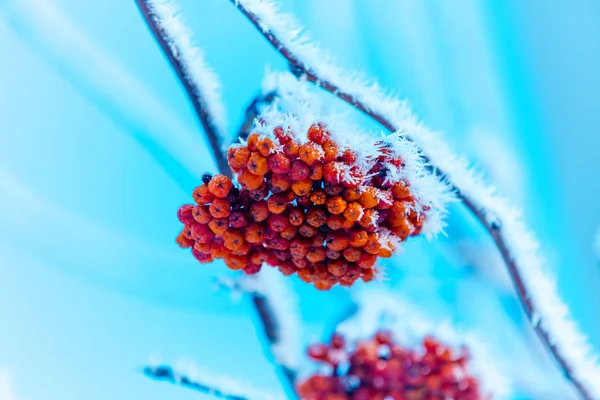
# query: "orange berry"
{"type": "Point", "coordinates": [280, 183]}
{"type": "Point", "coordinates": [321, 285]}
{"type": "Point", "coordinates": [202, 233]}
{"type": "Point", "coordinates": [220, 208]}
{"type": "Point", "coordinates": [353, 212]}
{"type": "Point", "coordinates": [318, 134]}
{"type": "Point", "coordinates": [330, 150]}
{"type": "Point", "coordinates": [187, 231]}
{"type": "Point", "coordinates": [369, 198]}
{"type": "Point", "coordinates": [237, 157]}
{"type": "Point", "coordinates": [316, 172]}
{"type": "Point", "coordinates": [287, 269]}
{"type": "Point", "coordinates": [337, 241]}
{"type": "Point", "coordinates": [218, 249]}
{"type": "Point", "coordinates": [335, 222]}
{"type": "Point", "coordinates": [302, 188]}
{"type": "Point", "coordinates": [277, 203]}
{"type": "Point", "coordinates": [248, 180]}
{"type": "Point", "coordinates": [257, 164]}
{"type": "Point", "coordinates": [336, 205]}
{"type": "Point", "coordinates": [243, 249]}
{"type": "Point", "coordinates": [201, 214]}
{"type": "Point", "coordinates": [253, 233]}
{"type": "Point", "coordinates": [281, 135]}
{"type": "Point", "coordinates": [316, 254]}
{"type": "Point", "coordinates": [299, 247]}
{"type": "Point", "coordinates": [352, 254]}
{"type": "Point", "coordinates": [202, 247]}
{"type": "Point", "coordinates": [184, 242]}
{"type": "Point", "coordinates": [202, 195]}
{"type": "Point", "coordinates": [291, 150]}
{"type": "Point", "coordinates": [296, 216]}
{"type": "Point", "coordinates": [236, 262]}
{"type": "Point", "coordinates": [251, 269]}
{"type": "Point", "coordinates": [259, 193]}
{"type": "Point", "coordinates": [301, 263]}
{"type": "Point", "coordinates": [402, 228]}
{"type": "Point", "coordinates": [347, 224]}
{"type": "Point", "coordinates": [259, 256]}
{"type": "Point", "coordinates": [332, 254]}
{"type": "Point", "coordinates": [352, 194]}
{"type": "Point", "coordinates": [373, 245]}
{"type": "Point", "coordinates": [368, 219]}
{"type": "Point", "coordinates": [233, 239]}
{"type": "Point", "coordinates": [333, 189]}
{"type": "Point", "coordinates": [306, 275]}
{"type": "Point", "coordinates": [318, 196]}
{"type": "Point", "coordinates": [367, 275]}
{"type": "Point", "coordinates": [366, 261]}
{"type": "Point", "coordinates": [386, 200]}
{"type": "Point", "coordinates": [332, 172]}
{"type": "Point", "coordinates": [358, 238]}
{"type": "Point", "coordinates": [348, 156]}
{"type": "Point", "coordinates": [259, 211]}
{"type": "Point", "coordinates": [203, 258]}
{"type": "Point", "coordinates": [219, 186]}
{"type": "Point", "coordinates": [337, 267]}
{"type": "Point", "coordinates": [307, 230]}
{"type": "Point", "coordinates": [316, 217]}
{"type": "Point", "coordinates": [310, 153]}
{"type": "Point", "coordinates": [265, 146]}
{"type": "Point", "coordinates": [218, 225]}
{"type": "Point", "coordinates": [299, 171]}
{"type": "Point", "coordinates": [278, 222]}
{"type": "Point", "coordinates": [349, 277]}
{"type": "Point", "coordinates": [401, 191]}
{"type": "Point", "coordinates": [280, 164]}
{"type": "Point", "coordinates": [385, 253]}
{"type": "Point", "coordinates": [289, 233]}
{"type": "Point", "coordinates": [303, 201]}
{"type": "Point", "coordinates": [253, 141]}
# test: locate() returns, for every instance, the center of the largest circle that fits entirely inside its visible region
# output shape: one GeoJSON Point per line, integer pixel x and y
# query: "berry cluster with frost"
{"type": "Point", "coordinates": [381, 369]}
{"type": "Point", "coordinates": [305, 205]}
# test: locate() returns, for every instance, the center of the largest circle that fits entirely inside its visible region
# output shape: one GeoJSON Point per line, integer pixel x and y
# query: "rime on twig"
{"type": "Point", "coordinates": [471, 192]}
{"type": "Point", "coordinates": [189, 76]}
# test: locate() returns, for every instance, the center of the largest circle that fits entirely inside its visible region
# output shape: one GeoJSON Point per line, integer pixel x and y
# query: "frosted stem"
{"type": "Point", "coordinates": [196, 94]}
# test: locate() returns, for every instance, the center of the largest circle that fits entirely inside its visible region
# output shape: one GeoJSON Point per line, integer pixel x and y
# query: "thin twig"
{"type": "Point", "coordinates": [193, 92]}
{"type": "Point", "coordinates": [267, 319]}
{"type": "Point", "coordinates": [166, 373]}
{"type": "Point", "coordinates": [300, 69]}
{"type": "Point", "coordinates": [252, 111]}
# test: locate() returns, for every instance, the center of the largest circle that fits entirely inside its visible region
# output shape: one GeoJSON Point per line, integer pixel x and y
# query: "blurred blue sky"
{"type": "Point", "coordinates": [99, 147]}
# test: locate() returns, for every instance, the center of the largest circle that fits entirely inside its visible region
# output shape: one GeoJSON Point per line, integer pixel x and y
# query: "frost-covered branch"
{"type": "Point", "coordinates": [221, 387]}
{"type": "Point", "coordinates": [198, 79]}
{"type": "Point", "coordinates": [536, 290]}
{"type": "Point", "coordinates": [253, 111]}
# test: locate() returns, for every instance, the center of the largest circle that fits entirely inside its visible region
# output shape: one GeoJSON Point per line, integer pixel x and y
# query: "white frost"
{"type": "Point", "coordinates": [219, 383]}
{"type": "Point", "coordinates": [523, 245]}
{"type": "Point", "coordinates": [180, 38]}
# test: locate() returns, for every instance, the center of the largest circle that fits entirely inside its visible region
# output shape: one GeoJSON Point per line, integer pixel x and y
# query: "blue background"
{"type": "Point", "coordinates": [99, 147]}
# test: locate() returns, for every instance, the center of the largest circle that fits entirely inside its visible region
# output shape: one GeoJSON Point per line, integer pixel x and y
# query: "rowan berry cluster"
{"type": "Point", "coordinates": [380, 369]}
{"type": "Point", "coordinates": [307, 207]}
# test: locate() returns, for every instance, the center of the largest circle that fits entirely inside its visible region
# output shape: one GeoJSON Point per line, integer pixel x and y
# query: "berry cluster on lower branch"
{"type": "Point", "coordinates": [381, 369]}
{"type": "Point", "coordinates": [304, 206]}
